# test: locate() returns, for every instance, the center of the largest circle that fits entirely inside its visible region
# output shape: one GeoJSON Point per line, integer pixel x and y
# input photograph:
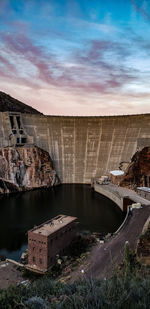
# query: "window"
{"type": "Point", "coordinates": [40, 260]}
{"type": "Point", "coordinates": [23, 140]}
{"type": "Point", "coordinates": [40, 250]}
{"type": "Point", "coordinates": [58, 217]}
{"type": "Point", "coordinates": [11, 121]}
{"type": "Point", "coordinates": [33, 248]}
{"type": "Point", "coordinates": [18, 121]}
{"type": "Point", "coordinates": [33, 259]}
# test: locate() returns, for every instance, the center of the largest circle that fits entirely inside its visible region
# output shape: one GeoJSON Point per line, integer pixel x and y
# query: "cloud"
{"type": "Point", "coordinates": [23, 48]}
{"type": "Point", "coordinates": [141, 43]}
{"type": "Point", "coordinates": [141, 9]}
{"type": "Point", "coordinates": [100, 27]}
{"type": "Point", "coordinates": [8, 66]}
{"type": "Point", "coordinates": [90, 68]}
{"type": "Point", "coordinates": [96, 71]}
{"type": "Point", "coordinates": [104, 62]}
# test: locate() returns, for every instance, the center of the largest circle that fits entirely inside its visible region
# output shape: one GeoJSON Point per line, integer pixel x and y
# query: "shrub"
{"type": "Point", "coordinates": [128, 288]}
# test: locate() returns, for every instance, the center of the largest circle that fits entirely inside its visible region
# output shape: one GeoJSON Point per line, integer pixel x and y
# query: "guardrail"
{"type": "Point", "coordinates": [124, 221]}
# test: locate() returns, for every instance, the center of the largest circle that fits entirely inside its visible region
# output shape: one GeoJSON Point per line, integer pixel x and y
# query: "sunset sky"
{"type": "Point", "coordinates": [76, 57]}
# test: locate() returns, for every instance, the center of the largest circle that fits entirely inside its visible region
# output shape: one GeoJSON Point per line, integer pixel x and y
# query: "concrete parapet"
{"type": "Point", "coordinates": [121, 196]}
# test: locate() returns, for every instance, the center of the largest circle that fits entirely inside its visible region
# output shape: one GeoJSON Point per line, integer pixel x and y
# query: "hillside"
{"type": "Point", "coordinates": [7, 103]}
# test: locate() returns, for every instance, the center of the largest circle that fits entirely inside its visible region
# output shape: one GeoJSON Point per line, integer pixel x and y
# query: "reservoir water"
{"type": "Point", "coordinates": [21, 212]}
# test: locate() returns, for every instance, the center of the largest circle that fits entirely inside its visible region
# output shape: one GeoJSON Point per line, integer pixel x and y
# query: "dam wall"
{"type": "Point", "coordinates": [113, 195]}
{"type": "Point", "coordinates": [83, 147]}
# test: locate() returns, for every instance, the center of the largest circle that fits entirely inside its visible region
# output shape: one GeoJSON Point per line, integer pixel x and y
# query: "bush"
{"type": "Point", "coordinates": [128, 288]}
{"type": "Point", "coordinates": [117, 292]}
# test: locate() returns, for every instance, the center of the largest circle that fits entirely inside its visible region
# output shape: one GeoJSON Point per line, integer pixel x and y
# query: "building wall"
{"type": "Point", "coordinates": [85, 147]}
{"type": "Point", "coordinates": [144, 194]}
{"type": "Point", "coordinates": [5, 130]}
{"type": "Point", "coordinates": [37, 250]}
{"type": "Point", "coordinates": [42, 250]}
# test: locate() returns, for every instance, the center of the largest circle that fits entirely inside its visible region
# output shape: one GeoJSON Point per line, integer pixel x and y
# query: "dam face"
{"type": "Point", "coordinates": [82, 147]}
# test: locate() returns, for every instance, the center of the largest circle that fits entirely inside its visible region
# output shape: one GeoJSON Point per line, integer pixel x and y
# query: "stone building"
{"type": "Point", "coordinates": [49, 239]}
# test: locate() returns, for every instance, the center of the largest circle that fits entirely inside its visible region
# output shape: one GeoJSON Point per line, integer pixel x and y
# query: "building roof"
{"type": "Point", "coordinates": [51, 226]}
{"type": "Point", "coordinates": [117, 172]}
{"type": "Point", "coordinates": [146, 189]}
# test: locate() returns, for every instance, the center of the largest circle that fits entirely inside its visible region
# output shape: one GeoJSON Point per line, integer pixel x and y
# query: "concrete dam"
{"type": "Point", "coordinates": [80, 147]}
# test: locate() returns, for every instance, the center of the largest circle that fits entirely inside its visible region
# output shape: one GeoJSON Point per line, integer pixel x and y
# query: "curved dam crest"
{"type": "Point", "coordinates": [122, 197]}
{"type": "Point", "coordinates": [83, 147]}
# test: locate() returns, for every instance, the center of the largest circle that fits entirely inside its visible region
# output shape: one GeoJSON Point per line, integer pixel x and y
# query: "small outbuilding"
{"type": "Point", "coordinates": [116, 176]}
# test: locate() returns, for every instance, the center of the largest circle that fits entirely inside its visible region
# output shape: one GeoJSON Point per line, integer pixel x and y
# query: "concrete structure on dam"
{"type": "Point", "coordinates": [81, 147]}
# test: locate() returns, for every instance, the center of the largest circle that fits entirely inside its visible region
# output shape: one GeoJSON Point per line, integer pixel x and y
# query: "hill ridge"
{"type": "Point", "coordinates": [8, 103]}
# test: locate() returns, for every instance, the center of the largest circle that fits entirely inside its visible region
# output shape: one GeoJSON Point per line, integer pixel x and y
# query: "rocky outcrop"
{"type": "Point", "coordinates": [25, 168]}
{"type": "Point", "coordinates": [138, 171]}
{"type": "Point", "coordinates": [7, 103]}
{"type": "Point", "coordinates": [143, 245]}
{"type": "Point", "coordinates": [7, 187]}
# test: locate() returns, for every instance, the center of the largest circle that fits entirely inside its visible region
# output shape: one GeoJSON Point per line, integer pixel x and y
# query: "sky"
{"type": "Point", "coordinates": [77, 57]}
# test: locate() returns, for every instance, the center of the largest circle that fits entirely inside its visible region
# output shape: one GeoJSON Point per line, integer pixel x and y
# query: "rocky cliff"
{"type": "Point", "coordinates": [25, 168]}
{"type": "Point", "coordinates": [138, 171]}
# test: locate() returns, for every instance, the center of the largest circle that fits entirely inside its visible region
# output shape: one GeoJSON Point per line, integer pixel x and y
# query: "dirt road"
{"type": "Point", "coordinates": [105, 256]}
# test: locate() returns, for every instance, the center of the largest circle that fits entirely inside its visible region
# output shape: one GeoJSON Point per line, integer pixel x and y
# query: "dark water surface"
{"type": "Point", "coordinates": [21, 212]}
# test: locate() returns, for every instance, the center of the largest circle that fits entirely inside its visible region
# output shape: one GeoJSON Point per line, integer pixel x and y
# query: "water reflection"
{"type": "Point", "coordinates": [22, 211]}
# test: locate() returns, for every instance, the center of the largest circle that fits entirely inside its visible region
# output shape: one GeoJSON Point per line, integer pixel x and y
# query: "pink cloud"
{"type": "Point", "coordinates": [90, 71]}
{"type": "Point", "coordinates": [71, 77]}
{"type": "Point", "coordinates": [5, 63]}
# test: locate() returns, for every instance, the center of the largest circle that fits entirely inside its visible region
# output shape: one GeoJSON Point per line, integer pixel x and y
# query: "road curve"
{"type": "Point", "coordinates": [104, 257]}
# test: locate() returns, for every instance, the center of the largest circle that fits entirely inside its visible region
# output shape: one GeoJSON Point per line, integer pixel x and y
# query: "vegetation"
{"type": "Point", "coordinates": [128, 287]}
{"type": "Point", "coordinates": [146, 234]}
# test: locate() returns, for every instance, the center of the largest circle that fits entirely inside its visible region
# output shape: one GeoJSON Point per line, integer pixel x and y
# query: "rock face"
{"type": "Point", "coordinates": [138, 171]}
{"type": "Point", "coordinates": [7, 103]}
{"type": "Point", "coordinates": [143, 247]}
{"type": "Point", "coordinates": [7, 187]}
{"type": "Point", "coordinates": [25, 168]}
